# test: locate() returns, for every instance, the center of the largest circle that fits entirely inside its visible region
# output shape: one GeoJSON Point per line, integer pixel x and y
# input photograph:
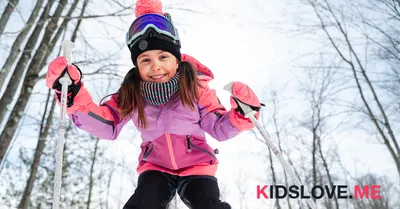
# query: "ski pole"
{"type": "Point", "coordinates": [249, 113]}
{"type": "Point", "coordinates": [65, 82]}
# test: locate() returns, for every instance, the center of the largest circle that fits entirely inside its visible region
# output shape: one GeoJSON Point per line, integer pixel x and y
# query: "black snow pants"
{"type": "Point", "coordinates": [156, 189]}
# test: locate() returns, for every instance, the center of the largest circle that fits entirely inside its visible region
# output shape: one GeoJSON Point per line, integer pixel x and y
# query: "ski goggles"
{"type": "Point", "coordinates": [161, 28]}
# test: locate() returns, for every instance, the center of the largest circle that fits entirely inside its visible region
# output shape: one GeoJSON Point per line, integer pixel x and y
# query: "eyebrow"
{"type": "Point", "coordinates": [145, 55]}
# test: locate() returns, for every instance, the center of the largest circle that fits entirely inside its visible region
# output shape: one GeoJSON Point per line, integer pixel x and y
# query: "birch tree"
{"type": "Point", "coordinates": [5, 15]}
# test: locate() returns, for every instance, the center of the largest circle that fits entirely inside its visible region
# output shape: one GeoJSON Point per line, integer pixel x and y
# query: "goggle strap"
{"type": "Point", "coordinates": [168, 16]}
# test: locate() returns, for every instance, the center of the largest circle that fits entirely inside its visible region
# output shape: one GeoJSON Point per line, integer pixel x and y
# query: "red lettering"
{"type": "Point", "coordinates": [376, 192]}
{"type": "Point", "coordinates": [261, 191]}
{"type": "Point", "coordinates": [359, 194]}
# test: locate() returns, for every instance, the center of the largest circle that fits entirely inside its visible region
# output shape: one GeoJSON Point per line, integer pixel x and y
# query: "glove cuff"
{"type": "Point", "coordinates": [240, 122]}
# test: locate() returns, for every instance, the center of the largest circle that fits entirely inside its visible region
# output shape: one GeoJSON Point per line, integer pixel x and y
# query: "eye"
{"type": "Point", "coordinates": [164, 56]}
{"type": "Point", "coordinates": [145, 60]}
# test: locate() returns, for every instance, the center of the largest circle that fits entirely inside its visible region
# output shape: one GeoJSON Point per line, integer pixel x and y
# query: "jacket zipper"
{"type": "Point", "coordinates": [147, 152]}
{"type": "Point", "coordinates": [201, 149]}
{"type": "Point", "coordinates": [171, 151]}
{"type": "Point", "coordinates": [188, 143]}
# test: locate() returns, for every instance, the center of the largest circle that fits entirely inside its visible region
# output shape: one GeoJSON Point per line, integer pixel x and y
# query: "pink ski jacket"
{"type": "Point", "coordinates": [174, 141]}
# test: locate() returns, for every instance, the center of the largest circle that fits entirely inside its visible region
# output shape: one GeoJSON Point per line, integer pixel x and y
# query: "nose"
{"type": "Point", "coordinates": [156, 66]}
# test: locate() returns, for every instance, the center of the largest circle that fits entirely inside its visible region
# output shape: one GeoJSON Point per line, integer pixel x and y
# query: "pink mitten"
{"type": "Point", "coordinates": [57, 68]}
{"type": "Point", "coordinates": [245, 95]}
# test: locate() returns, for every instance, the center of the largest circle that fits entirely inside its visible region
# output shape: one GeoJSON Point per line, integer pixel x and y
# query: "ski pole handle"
{"type": "Point", "coordinates": [68, 46]}
{"type": "Point", "coordinates": [67, 52]}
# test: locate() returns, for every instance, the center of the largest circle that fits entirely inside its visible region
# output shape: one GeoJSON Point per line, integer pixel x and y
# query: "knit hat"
{"type": "Point", "coordinates": [149, 40]}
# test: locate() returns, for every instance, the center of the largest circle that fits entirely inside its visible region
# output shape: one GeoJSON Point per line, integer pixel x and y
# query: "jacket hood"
{"type": "Point", "coordinates": [203, 72]}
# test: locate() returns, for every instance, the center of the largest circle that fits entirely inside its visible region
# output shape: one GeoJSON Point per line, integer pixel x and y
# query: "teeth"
{"type": "Point", "coordinates": [157, 76]}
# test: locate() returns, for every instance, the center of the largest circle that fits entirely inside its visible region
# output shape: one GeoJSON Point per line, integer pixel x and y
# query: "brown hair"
{"type": "Point", "coordinates": [130, 99]}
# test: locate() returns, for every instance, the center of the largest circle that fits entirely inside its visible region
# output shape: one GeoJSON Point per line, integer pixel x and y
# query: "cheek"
{"type": "Point", "coordinates": [172, 68]}
{"type": "Point", "coordinates": [143, 73]}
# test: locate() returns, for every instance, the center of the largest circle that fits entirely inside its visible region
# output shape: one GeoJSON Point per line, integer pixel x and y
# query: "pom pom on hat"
{"type": "Point", "coordinates": [148, 6]}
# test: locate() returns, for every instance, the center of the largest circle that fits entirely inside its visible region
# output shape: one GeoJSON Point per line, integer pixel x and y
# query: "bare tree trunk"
{"type": "Point", "coordinates": [5, 141]}
{"type": "Point", "coordinates": [242, 190]}
{"type": "Point", "coordinates": [37, 66]}
{"type": "Point", "coordinates": [275, 116]}
{"type": "Point", "coordinates": [109, 183]}
{"type": "Point", "coordinates": [30, 80]}
{"type": "Point", "coordinates": [394, 149]}
{"type": "Point", "coordinates": [44, 131]}
{"type": "Point", "coordinates": [270, 154]}
{"type": "Point", "coordinates": [314, 161]}
{"type": "Point", "coordinates": [284, 174]}
{"type": "Point", "coordinates": [327, 171]}
{"type": "Point", "coordinates": [94, 157]}
{"type": "Point", "coordinates": [120, 187]}
{"type": "Point", "coordinates": [273, 176]}
{"type": "Point", "coordinates": [5, 16]}
{"type": "Point", "coordinates": [315, 125]}
{"type": "Point", "coordinates": [39, 150]}
{"type": "Point", "coordinates": [18, 74]}
{"type": "Point", "coordinates": [275, 113]}
{"type": "Point", "coordinates": [38, 61]}
{"type": "Point", "coordinates": [6, 69]}
{"type": "Point", "coordinates": [271, 164]}
{"type": "Point", "coordinates": [388, 192]}
{"type": "Point", "coordinates": [74, 34]}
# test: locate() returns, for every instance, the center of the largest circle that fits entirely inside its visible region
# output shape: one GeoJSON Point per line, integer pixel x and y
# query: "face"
{"type": "Point", "coordinates": [157, 66]}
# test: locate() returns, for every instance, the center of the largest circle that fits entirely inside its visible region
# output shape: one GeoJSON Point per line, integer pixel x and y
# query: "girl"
{"type": "Point", "coordinates": [168, 99]}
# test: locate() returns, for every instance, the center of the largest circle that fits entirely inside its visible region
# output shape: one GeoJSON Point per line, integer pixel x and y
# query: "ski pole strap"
{"type": "Point", "coordinates": [244, 108]}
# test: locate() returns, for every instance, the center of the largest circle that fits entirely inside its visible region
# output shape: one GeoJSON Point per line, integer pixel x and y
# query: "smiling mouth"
{"type": "Point", "coordinates": [157, 77]}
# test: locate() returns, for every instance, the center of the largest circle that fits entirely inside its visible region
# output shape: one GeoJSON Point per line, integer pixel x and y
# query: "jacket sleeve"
{"type": "Point", "coordinates": [102, 121]}
{"type": "Point", "coordinates": [214, 119]}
